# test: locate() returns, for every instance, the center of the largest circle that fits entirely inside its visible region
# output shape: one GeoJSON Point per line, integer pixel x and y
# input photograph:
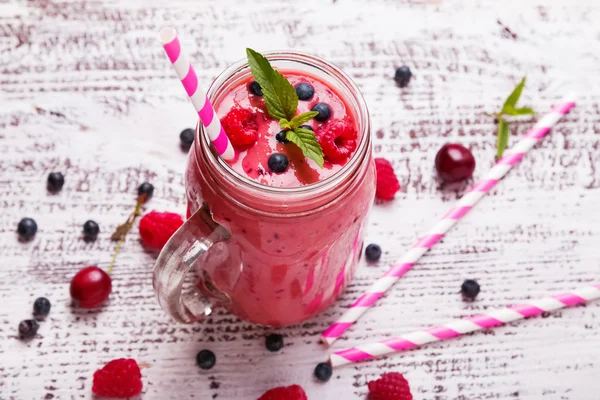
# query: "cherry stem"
{"type": "Point", "coordinates": [129, 223]}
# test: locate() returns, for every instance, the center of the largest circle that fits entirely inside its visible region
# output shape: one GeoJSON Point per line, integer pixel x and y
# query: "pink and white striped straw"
{"type": "Point", "coordinates": [459, 327]}
{"type": "Point", "coordinates": [189, 79]}
{"type": "Point", "coordinates": [468, 201]}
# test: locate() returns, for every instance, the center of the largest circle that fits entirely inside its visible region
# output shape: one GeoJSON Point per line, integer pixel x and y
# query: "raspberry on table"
{"type": "Point", "coordinates": [156, 228]}
{"type": "Point", "coordinates": [293, 392]}
{"type": "Point", "coordinates": [119, 379]}
{"type": "Point", "coordinates": [387, 182]}
{"type": "Point", "coordinates": [338, 139]}
{"type": "Point", "coordinates": [240, 126]}
{"type": "Point", "coordinates": [391, 386]}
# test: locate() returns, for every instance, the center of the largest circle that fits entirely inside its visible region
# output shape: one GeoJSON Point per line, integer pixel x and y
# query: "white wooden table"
{"type": "Point", "coordinates": [110, 113]}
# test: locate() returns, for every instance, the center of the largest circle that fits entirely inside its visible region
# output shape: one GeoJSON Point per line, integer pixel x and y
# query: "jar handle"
{"type": "Point", "coordinates": [186, 303]}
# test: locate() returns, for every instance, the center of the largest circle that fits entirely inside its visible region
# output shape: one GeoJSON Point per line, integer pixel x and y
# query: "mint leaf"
{"type": "Point", "coordinates": [307, 141]}
{"type": "Point", "coordinates": [510, 110]}
{"type": "Point", "coordinates": [284, 124]}
{"type": "Point", "coordinates": [279, 94]}
{"type": "Point", "coordinates": [503, 133]}
{"type": "Point", "coordinates": [512, 99]}
{"type": "Point", "coordinates": [302, 119]}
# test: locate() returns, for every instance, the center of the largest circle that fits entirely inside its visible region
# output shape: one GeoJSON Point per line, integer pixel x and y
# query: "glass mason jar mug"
{"type": "Point", "coordinates": [272, 256]}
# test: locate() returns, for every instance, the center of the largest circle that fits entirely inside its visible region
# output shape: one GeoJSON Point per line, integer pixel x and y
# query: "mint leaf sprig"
{"type": "Point", "coordinates": [282, 102]}
{"type": "Point", "coordinates": [509, 108]}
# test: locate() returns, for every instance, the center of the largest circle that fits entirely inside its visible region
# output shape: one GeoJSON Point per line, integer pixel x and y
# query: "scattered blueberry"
{"type": "Point", "coordinates": [147, 189]}
{"type": "Point", "coordinates": [274, 342]}
{"type": "Point", "coordinates": [373, 252]}
{"type": "Point", "coordinates": [324, 112]}
{"type": "Point", "coordinates": [206, 359]}
{"type": "Point", "coordinates": [41, 307]}
{"type": "Point", "coordinates": [91, 230]}
{"type": "Point", "coordinates": [56, 180]}
{"type": "Point", "coordinates": [305, 91]}
{"type": "Point", "coordinates": [310, 128]}
{"type": "Point", "coordinates": [278, 162]}
{"type": "Point", "coordinates": [402, 76]}
{"type": "Point", "coordinates": [186, 137]}
{"type": "Point", "coordinates": [28, 328]}
{"type": "Point", "coordinates": [27, 228]}
{"type": "Point", "coordinates": [255, 88]}
{"type": "Point", "coordinates": [281, 137]}
{"type": "Point", "coordinates": [470, 289]}
{"type": "Point", "coordinates": [323, 371]}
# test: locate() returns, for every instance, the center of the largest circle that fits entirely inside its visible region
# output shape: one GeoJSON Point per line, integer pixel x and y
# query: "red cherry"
{"type": "Point", "coordinates": [454, 162]}
{"type": "Point", "coordinates": [90, 287]}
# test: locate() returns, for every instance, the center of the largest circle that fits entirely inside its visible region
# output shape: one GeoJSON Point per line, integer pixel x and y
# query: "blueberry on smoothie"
{"type": "Point", "coordinates": [281, 137]}
{"type": "Point", "coordinates": [305, 91]}
{"type": "Point", "coordinates": [324, 111]}
{"type": "Point", "coordinates": [255, 88]}
{"type": "Point", "coordinates": [278, 162]}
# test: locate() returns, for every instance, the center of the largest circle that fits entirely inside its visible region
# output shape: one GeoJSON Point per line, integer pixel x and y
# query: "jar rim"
{"type": "Point", "coordinates": [341, 77]}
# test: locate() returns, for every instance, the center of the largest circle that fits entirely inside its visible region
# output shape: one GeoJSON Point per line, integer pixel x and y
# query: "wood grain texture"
{"type": "Point", "coordinates": [109, 110]}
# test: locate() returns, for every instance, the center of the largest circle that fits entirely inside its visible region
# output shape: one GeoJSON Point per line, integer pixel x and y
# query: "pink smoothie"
{"type": "Point", "coordinates": [286, 260]}
{"type": "Point", "coordinates": [252, 160]}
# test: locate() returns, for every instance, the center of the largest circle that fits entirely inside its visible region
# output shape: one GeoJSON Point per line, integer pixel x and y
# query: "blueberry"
{"type": "Point", "coordinates": [147, 189]}
{"type": "Point", "coordinates": [28, 328]}
{"type": "Point", "coordinates": [470, 289]}
{"type": "Point", "coordinates": [186, 137]}
{"type": "Point", "coordinates": [91, 230]}
{"type": "Point", "coordinates": [305, 91]}
{"type": "Point", "coordinates": [373, 252]}
{"type": "Point", "coordinates": [27, 228]}
{"type": "Point", "coordinates": [206, 359]}
{"type": "Point", "coordinates": [41, 307]}
{"type": "Point", "coordinates": [323, 371]}
{"type": "Point", "coordinates": [255, 88]}
{"type": "Point", "coordinates": [56, 180]}
{"type": "Point", "coordinates": [307, 127]}
{"type": "Point", "coordinates": [278, 162]}
{"type": "Point", "coordinates": [281, 137]}
{"type": "Point", "coordinates": [402, 76]}
{"type": "Point", "coordinates": [324, 111]}
{"type": "Point", "coordinates": [274, 342]}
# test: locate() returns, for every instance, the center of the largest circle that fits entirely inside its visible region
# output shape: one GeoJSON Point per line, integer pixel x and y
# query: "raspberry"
{"type": "Point", "coordinates": [387, 183]}
{"type": "Point", "coordinates": [391, 386]}
{"type": "Point", "coordinates": [240, 126]}
{"type": "Point", "coordinates": [338, 139]}
{"type": "Point", "coordinates": [293, 392]}
{"type": "Point", "coordinates": [119, 379]}
{"type": "Point", "coordinates": [156, 228]}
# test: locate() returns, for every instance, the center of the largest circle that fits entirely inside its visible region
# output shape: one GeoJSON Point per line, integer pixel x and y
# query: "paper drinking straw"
{"type": "Point", "coordinates": [184, 70]}
{"type": "Point", "coordinates": [459, 327]}
{"type": "Point", "coordinates": [468, 201]}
